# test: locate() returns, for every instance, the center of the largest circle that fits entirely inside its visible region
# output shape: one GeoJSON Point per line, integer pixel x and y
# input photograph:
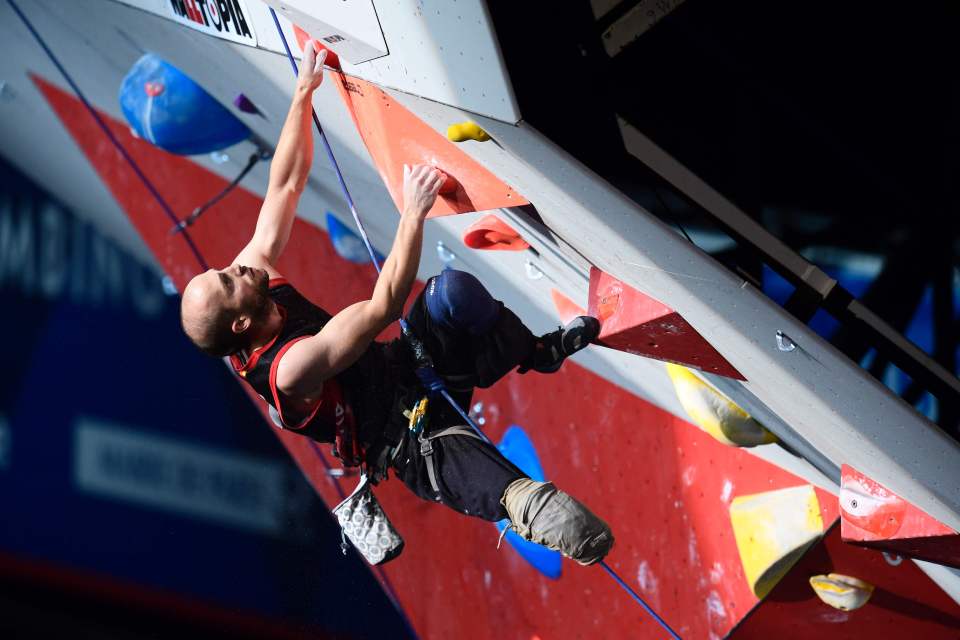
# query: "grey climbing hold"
{"type": "Point", "coordinates": [784, 343]}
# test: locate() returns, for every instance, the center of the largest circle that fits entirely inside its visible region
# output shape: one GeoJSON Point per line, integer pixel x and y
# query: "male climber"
{"type": "Point", "coordinates": [328, 379]}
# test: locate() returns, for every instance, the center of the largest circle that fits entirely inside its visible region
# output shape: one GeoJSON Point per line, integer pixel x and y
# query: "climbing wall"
{"type": "Point", "coordinates": [378, 118]}
{"type": "Point", "coordinates": [666, 486]}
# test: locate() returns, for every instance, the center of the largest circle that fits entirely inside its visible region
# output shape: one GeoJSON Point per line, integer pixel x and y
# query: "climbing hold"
{"type": "Point", "coordinates": [490, 232]}
{"type": "Point", "coordinates": [715, 413]}
{"type": "Point", "coordinates": [466, 131]}
{"type": "Point", "coordinates": [347, 243]}
{"type": "Point", "coordinates": [784, 343]}
{"type": "Point", "coordinates": [636, 323]}
{"type": "Point", "coordinates": [841, 592]}
{"type": "Point", "coordinates": [517, 447]}
{"type": "Point", "coordinates": [246, 105]}
{"type": "Point", "coordinates": [533, 271]}
{"type": "Point", "coordinates": [168, 109]}
{"type": "Point", "coordinates": [444, 254]}
{"type": "Point", "coordinates": [772, 531]}
{"type": "Point", "coordinates": [873, 516]}
{"type": "Point", "coordinates": [449, 186]}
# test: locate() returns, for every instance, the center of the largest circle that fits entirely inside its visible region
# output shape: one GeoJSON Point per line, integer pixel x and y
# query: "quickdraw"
{"type": "Point", "coordinates": [418, 416]}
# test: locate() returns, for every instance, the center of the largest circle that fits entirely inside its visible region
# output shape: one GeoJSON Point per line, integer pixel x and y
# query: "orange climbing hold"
{"type": "Point", "coordinates": [636, 323]}
{"type": "Point", "coordinates": [490, 232]}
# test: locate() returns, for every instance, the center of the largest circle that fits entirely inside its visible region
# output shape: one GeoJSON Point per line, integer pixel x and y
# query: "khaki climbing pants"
{"type": "Point", "coordinates": [541, 513]}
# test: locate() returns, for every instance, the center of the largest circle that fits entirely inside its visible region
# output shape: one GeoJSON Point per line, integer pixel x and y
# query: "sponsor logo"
{"type": "Point", "coordinates": [228, 19]}
{"type": "Point", "coordinates": [47, 253]}
{"type": "Point", "coordinates": [156, 471]}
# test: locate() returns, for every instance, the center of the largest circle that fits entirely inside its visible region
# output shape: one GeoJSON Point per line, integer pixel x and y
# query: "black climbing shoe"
{"type": "Point", "coordinates": [554, 347]}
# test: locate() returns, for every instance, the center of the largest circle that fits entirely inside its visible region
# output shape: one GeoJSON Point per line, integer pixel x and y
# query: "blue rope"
{"type": "Point", "coordinates": [326, 145]}
{"type": "Point", "coordinates": [106, 130]}
{"type": "Point", "coordinates": [426, 374]}
{"type": "Point", "coordinates": [636, 596]}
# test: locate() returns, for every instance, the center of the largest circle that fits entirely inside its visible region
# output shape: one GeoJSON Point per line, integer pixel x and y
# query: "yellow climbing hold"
{"type": "Point", "coordinates": [841, 592]}
{"type": "Point", "coordinates": [715, 413]}
{"type": "Point", "coordinates": [466, 131]}
{"type": "Point", "coordinates": [773, 530]}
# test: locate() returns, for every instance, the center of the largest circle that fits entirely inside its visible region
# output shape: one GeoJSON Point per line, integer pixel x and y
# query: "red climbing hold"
{"type": "Point", "coordinates": [490, 232]}
{"type": "Point", "coordinates": [873, 516]}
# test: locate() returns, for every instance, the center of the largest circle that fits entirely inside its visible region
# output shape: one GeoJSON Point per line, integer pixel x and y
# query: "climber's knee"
{"type": "Point", "coordinates": [459, 301]}
{"type": "Point", "coordinates": [543, 514]}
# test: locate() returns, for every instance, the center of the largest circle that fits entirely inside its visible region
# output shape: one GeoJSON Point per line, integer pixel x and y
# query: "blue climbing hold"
{"type": "Point", "coordinates": [517, 447]}
{"type": "Point", "coordinates": [348, 244]}
{"type": "Point", "coordinates": [165, 107]}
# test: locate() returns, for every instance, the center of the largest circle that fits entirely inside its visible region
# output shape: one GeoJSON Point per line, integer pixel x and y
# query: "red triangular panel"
{"type": "Point", "coordinates": [636, 323]}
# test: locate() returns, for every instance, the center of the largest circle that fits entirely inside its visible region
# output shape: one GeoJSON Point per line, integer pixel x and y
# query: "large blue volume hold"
{"type": "Point", "coordinates": [165, 107]}
{"type": "Point", "coordinates": [517, 447]}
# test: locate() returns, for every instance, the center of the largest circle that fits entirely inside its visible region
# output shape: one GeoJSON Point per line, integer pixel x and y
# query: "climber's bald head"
{"type": "Point", "coordinates": [219, 308]}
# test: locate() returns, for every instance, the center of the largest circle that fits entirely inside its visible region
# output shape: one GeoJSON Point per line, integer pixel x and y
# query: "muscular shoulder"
{"type": "Point", "coordinates": [298, 373]}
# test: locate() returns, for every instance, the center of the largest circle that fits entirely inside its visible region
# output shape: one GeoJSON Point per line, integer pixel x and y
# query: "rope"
{"type": "Point", "coordinates": [425, 372]}
{"type": "Point", "coordinates": [326, 145]}
{"type": "Point", "coordinates": [636, 596]}
{"type": "Point", "coordinates": [106, 130]}
{"type": "Point", "coordinates": [256, 157]}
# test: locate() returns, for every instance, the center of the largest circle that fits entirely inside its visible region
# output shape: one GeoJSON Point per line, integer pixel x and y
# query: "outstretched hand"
{"type": "Point", "coordinates": [421, 183]}
{"type": "Point", "coordinates": [311, 67]}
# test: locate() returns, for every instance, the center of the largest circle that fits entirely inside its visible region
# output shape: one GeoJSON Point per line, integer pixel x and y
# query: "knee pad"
{"type": "Point", "coordinates": [541, 513]}
{"type": "Point", "coordinates": [459, 301]}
